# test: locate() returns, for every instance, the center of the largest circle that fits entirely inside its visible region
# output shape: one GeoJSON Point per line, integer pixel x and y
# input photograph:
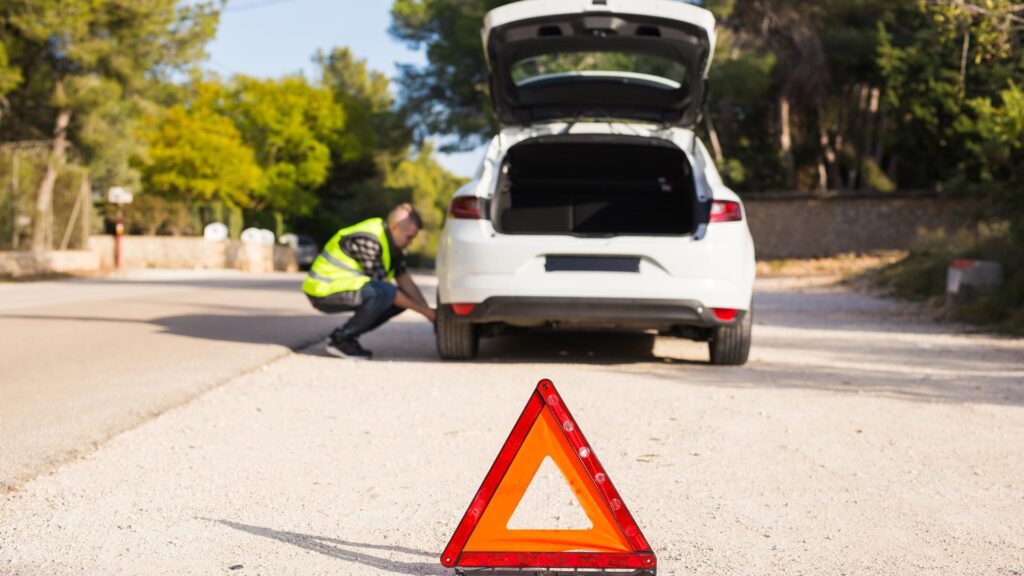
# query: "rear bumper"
{"type": "Point", "coordinates": [597, 312]}
{"type": "Point", "coordinates": [476, 264]}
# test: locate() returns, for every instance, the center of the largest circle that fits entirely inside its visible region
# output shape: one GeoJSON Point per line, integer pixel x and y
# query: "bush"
{"type": "Point", "coordinates": [921, 275]}
{"type": "Point", "coordinates": [154, 215]}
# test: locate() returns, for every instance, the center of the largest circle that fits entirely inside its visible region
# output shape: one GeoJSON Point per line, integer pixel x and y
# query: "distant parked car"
{"type": "Point", "coordinates": [597, 206]}
{"type": "Point", "coordinates": [306, 249]}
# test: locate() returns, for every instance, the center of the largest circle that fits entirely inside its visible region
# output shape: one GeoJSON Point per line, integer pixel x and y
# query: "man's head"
{"type": "Point", "coordinates": [405, 223]}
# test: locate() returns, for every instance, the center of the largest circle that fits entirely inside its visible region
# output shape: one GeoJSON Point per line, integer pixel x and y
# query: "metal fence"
{"type": "Point", "coordinates": [66, 219]}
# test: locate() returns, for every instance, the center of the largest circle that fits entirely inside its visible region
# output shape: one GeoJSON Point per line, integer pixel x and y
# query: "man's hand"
{"type": "Point", "coordinates": [413, 297]}
{"type": "Point", "coordinates": [430, 314]}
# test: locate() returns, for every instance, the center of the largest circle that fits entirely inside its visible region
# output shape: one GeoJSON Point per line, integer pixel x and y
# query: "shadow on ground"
{"type": "Point", "coordinates": [822, 338]}
{"type": "Point", "coordinates": [341, 550]}
{"type": "Point", "coordinates": [410, 339]}
{"type": "Point", "coordinates": [290, 284]}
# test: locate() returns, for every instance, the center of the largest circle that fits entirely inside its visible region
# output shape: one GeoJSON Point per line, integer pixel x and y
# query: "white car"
{"type": "Point", "coordinates": [596, 206]}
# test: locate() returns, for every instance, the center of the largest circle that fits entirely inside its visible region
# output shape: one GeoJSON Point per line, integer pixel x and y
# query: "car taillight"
{"type": "Point", "coordinates": [724, 211]}
{"type": "Point", "coordinates": [467, 208]}
{"type": "Point", "coordinates": [726, 314]}
{"type": "Point", "coordinates": [463, 309]}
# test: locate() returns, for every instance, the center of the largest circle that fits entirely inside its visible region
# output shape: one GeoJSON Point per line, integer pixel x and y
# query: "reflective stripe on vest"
{"type": "Point", "coordinates": [335, 271]}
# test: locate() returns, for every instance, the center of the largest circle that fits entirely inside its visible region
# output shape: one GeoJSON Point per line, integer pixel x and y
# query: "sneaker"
{"type": "Point", "coordinates": [348, 348]}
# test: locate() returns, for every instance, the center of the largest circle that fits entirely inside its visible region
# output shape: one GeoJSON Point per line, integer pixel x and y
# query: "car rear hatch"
{"type": "Point", "coordinates": [591, 185]}
{"type": "Point", "coordinates": [639, 60]}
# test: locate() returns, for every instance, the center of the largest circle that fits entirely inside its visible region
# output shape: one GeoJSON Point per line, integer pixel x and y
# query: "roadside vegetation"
{"type": "Point", "coordinates": [842, 267]}
{"type": "Point", "coordinates": [818, 97]}
{"type": "Point", "coordinates": [921, 274]}
{"type": "Point", "coordinates": [103, 93]}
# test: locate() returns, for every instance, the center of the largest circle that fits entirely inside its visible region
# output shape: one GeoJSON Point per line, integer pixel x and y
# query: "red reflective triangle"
{"type": "Point", "coordinates": [547, 429]}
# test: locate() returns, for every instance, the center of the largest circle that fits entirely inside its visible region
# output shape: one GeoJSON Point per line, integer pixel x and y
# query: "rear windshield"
{"type": "Point", "coordinates": [654, 70]}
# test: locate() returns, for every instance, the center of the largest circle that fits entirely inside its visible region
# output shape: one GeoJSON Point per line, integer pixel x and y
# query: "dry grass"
{"type": "Point", "coordinates": [920, 275]}
{"type": "Point", "coordinates": [841, 267]}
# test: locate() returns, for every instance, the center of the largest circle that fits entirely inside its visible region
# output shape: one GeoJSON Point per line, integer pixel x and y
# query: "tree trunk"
{"type": "Point", "coordinates": [716, 144]}
{"type": "Point", "coordinates": [872, 122]}
{"type": "Point", "coordinates": [893, 171]}
{"type": "Point", "coordinates": [44, 194]}
{"type": "Point", "coordinates": [883, 130]}
{"type": "Point", "coordinates": [859, 121]}
{"type": "Point", "coordinates": [833, 179]}
{"type": "Point", "coordinates": [86, 193]}
{"type": "Point", "coordinates": [868, 152]}
{"type": "Point", "coordinates": [786, 142]}
{"type": "Point", "coordinates": [963, 59]}
{"type": "Point", "coordinates": [822, 176]}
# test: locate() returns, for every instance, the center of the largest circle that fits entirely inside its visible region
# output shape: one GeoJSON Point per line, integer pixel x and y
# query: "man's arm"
{"type": "Point", "coordinates": [408, 285]}
{"type": "Point", "coordinates": [367, 252]}
{"type": "Point", "coordinates": [410, 297]}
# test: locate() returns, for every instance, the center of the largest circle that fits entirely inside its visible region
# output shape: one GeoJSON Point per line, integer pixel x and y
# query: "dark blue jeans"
{"type": "Point", "coordinates": [373, 304]}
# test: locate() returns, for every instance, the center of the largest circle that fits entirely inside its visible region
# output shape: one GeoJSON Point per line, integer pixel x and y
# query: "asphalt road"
{"type": "Point", "coordinates": [81, 360]}
{"type": "Point", "coordinates": [863, 438]}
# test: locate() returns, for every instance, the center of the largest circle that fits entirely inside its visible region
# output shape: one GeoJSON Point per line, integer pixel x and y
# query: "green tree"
{"type": "Point", "coordinates": [373, 169]}
{"type": "Point", "coordinates": [450, 95]}
{"type": "Point", "coordinates": [375, 133]}
{"type": "Point", "coordinates": [10, 77]}
{"type": "Point", "coordinates": [998, 145]}
{"type": "Point", "coordinates": [834, 94]}
{"type": "Point", "coordinates": [76, 55]}
{"type": "Point", "coordinates": [374, 140]}
{"type": "Point", "coordinates": [197, 155]}
{"type": "Point", "coordinates": [934, 75]}
{"type": "Point", "coordinates": [290, 125]}
{"type": "Point", "coordinates": [430, 189]}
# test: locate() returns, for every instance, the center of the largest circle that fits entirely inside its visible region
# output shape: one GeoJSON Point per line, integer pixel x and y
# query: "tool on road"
{"type": "Point", "coordinates": [483, 542]}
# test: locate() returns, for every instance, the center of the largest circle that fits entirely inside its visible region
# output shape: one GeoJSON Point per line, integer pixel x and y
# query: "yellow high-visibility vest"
{"type": "Point", "coordinates": [335, 271]}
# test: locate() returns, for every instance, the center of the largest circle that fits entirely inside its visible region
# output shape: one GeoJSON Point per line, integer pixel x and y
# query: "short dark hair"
{"type": "Point", "coordinates": [403, 212]}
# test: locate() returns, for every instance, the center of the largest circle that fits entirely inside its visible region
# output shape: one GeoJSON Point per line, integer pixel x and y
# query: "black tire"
{"type": "Point", "coordinates": [455, 340]}
{"type": "Point", "coordinates": [730, 345]}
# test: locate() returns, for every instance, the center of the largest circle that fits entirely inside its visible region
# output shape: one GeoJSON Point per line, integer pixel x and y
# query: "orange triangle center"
{"type": "Point", "coordinates": [546, 440]}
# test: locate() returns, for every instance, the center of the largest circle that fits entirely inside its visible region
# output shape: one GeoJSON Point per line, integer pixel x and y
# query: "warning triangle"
{"type": "Point", "coordinates": [547, 431]}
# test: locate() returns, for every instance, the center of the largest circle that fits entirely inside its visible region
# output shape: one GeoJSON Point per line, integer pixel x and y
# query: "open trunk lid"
{"type": "Point", "coordinates": [640, 60]}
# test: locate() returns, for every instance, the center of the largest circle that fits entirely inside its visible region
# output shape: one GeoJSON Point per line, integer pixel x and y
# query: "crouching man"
{"type": "Point", "coordinates": [356, 273]}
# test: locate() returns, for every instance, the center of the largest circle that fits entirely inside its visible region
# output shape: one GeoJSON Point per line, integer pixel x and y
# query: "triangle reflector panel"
{"type": "Point", "coordinates": [545, 430]}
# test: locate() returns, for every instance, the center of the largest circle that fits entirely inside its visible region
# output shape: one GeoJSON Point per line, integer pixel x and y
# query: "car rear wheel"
{"type": "Point", "coordinates": [730, 345]}
{"type": "Point", "coordinates": [455, 340]}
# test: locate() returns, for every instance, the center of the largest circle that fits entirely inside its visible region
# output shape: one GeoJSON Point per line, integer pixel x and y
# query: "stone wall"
{"type": "Point", "coordinates": [783, 226]}
{"type": "Point", "coordinates": [193, 254]}
{"type": "Point", "coordinates": [27, 264]}
{"type": "Point", "coordinates": [797, 226]}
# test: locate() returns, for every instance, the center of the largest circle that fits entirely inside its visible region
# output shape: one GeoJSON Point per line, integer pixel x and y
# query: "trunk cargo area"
{"type": "Point", "coordinates": [595, 187]}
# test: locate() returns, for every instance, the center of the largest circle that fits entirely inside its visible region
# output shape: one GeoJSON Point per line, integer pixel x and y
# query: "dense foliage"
{"type": "Point", "coordinates": [110, 89]}
{"type": "Point", "coordinates": [825, 95]}
{"type": "Point", "coordinates": [811, 96]}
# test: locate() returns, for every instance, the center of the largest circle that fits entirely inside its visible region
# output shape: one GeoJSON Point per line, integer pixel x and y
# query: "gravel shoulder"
{"type": "Point", "coordinates": [861, 439]}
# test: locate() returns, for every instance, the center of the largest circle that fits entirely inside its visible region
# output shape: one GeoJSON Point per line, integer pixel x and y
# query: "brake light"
{"type": "Point", "coordinates": [463, 309]}
{"type": "Point", "coordinates": [724, 211]}
{"type": "Point", "coordinates": [467, 208]}
{"type": "Point", "coordinates": [725, 314]}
